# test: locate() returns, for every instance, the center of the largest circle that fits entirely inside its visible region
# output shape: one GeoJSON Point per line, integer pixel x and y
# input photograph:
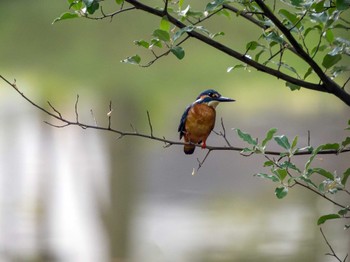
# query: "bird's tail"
{"type": "Point", "coordinates": [189, 149]}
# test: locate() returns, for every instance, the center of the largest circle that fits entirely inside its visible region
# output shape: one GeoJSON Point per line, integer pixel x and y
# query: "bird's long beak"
{"type": "Point", "coordinates": [225, 99]}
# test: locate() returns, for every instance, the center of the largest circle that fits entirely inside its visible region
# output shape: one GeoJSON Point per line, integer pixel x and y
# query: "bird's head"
{"type": "Point", "coordinates": [212, 98]}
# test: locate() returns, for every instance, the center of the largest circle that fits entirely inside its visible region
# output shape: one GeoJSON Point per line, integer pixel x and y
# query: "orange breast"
{"type": "Point", "coordinates": [199, 123]}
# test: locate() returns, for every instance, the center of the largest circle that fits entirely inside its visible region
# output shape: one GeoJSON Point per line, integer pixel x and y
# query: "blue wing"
{"type": "Point", "coordinates": [181, 128]}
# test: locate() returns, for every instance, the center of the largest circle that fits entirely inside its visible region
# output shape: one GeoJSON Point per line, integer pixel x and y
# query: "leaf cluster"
{"type": "Point", "coordinates": [311, 32]}
{"type": "Point", "coordinates": [286, 173]}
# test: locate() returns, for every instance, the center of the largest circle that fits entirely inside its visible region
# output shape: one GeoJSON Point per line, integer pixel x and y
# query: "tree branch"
{"type": "Point", "coordinates": [66, 122]}
{"type": "Point", "coordinates": [327, 84]}
{"type": "Point", "coordinates": [333, 254]}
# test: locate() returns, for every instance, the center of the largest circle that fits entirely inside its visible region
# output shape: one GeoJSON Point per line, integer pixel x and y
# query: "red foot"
{"type": "Point", "coordinates": [204, 145]}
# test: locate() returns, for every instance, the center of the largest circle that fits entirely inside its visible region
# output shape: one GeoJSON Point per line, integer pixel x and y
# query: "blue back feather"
{"type": "Point", "coordinates": [181, 128]}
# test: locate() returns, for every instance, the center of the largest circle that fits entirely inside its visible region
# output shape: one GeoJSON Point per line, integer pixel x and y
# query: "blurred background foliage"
{"type": "Point", "coordinates": [93, 198]}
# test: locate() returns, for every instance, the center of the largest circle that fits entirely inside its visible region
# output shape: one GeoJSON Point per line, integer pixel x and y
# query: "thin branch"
{"type": "Point", "coordinates": [109, 115]}
{"type": "Point", "coordinates": [333, 254]}
{"type": "Point", "coordinates": [76, 109]}
{"type": "Point", "coordinates": [150, 123]}
{"type": "Point", "coordinates": [347, 81]}
{"type": "Point", "coordinates": [328, 84]}
{"type": "Point", "coordinates": [135, 133]}
{"type": "Point", "coordinates": [93, 117]}
{"type": "Point", "coordinates": [111, 15]}
{"type": "Point", "coordinates": [246, 15]}
{"type": "Point", "coordinates": [201, 162]}
{"type": "Point", "coordinates": [54, 109]}
{"type": "Point", "coordinates": [320, 194]}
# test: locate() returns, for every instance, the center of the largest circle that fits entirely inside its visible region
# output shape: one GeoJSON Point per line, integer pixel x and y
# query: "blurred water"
{"type": "Point", "coordinates": [50, 180]}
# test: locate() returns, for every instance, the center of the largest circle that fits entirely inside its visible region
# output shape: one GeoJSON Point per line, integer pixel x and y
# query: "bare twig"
{"type": "Point", "coordinates": [54, 109]}
{"type": "Point", "coordinates": [201, 162]}
{"type": "Point", "coordinates": [320, 194]}
{"type": "Point", "coordinates": [111, 15]}
{"type": "Point", "coordinates": [150, 123]}
{"type": "Point", "coordinates": [93, 117]}
{"type": "Point", "coordinates": [333, 254]}
{"type": "Point", "coordinates": [76, 109]}
{"type": "Point", "coordinates": [109, 114]}
{"type": "Point", "coordinates": [66, 122]}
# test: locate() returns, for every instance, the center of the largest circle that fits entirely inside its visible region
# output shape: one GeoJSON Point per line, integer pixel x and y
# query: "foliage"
{"type": "Point", "coordinates": [310, 32]}
{"type": "Point", "coordinates": [286, 174]}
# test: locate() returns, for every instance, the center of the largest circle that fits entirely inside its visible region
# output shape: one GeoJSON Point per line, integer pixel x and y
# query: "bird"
{"type": "Point", "coordinates": [198, 120]}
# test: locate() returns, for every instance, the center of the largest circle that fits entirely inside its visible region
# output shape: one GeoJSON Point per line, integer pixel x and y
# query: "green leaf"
{"type": "Point", "coordinates": [268, 163]}
{"type": "Point", "coordinates": [308, 181]}
{"type": "Point", "coordinates": [345, 176]}
{"type": "Point", "coordinates": [161, 35]}
{"type": "Point", "coordinates": [178, 52]}
{"type": "Point", "coordinates": [282, 141]}
{"type": "Point", "coordinates": [181, 2]}
{"type": "Point", "coordinates": [308, 72]}
{"type": "Point", "coordinates": [273, 178]}
{"type": "Point", "coordinates": [334, 146]}
{"type": "Point", "coordinates": [164, 24]}
{"type": "Point", "coordinates": [292, 86]}
{"type": "Point", "coordinates": [297, 3]}
{"type": "Point", "coordinates": [269, 136]}
{"type": "Point", "coordinates": [281, 192]}
{"type": "Point", "coordinates": [295, 142]}
{"type": "Point", "coordinates": [91, 5]}
{"type": "Point", "coordinates": [76, 5]}
{"type": "Point", "coordinates": [289, 165]}
{"type": "Point", "coordinates": [342, 4]}
{"type": "Point", "coordinates": [292, 18]}
{"type": "Point", "coordinates": [329, 36]}
{"type": "Point", "coordinates": [119, 2]}
{"type": "Point", "coordinates": [346, 142]}
{"type": "Point", "coordinates": [324, 218]}
{"type": "Point", "coordinates": [331, 146]}
{"type": "Point", "coordinates": [182, 31]}
{"type": "Point", "coordinates": [337, 70]}
{"type": "Point", "coordinates": [281, 173]}
{"type": "Point", "coordinates": [246, 137]}
{"type": "Point", "coordinates": [225, 13]}
{"type": "Point", "coordinates": [309, 29]}
{"type": "Point", "coordinates": [156, 42]}
{"type": "Point", "coordinates": [252, 45]}
{"type": "Point", "coordinates": [214, 5]}
{"type": "Point", "coordinates": [142, 43]}
{"type": "Point", "coordinates": [273, 37]}
{"type": "Point", "coordinates": [343, 211]}
{"type": "Point", "coordinates": [216, 34]}
{"type": "Point", "coordinates": [65, 16]}
{"type": "Point", "coordinates": [134, 60]}
{"type": "Point", "coordinates": [247, 150]}
{"type": "Point", "coordinates": [319, 6]}
{"type": "Point", "coordinates": [322, 172]}
{"type": "Point", "coordinates": [202, 29]}
{"type": "Point", "coordinates": [229, 69]}
{"type": "Point", "coordinates": [329, 60]}
{"type": "Point", "coordinates": [257, 56]}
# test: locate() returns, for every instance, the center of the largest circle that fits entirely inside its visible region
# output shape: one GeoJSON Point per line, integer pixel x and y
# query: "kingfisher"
{"type": "Point", "coordinates": [198, 120]}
